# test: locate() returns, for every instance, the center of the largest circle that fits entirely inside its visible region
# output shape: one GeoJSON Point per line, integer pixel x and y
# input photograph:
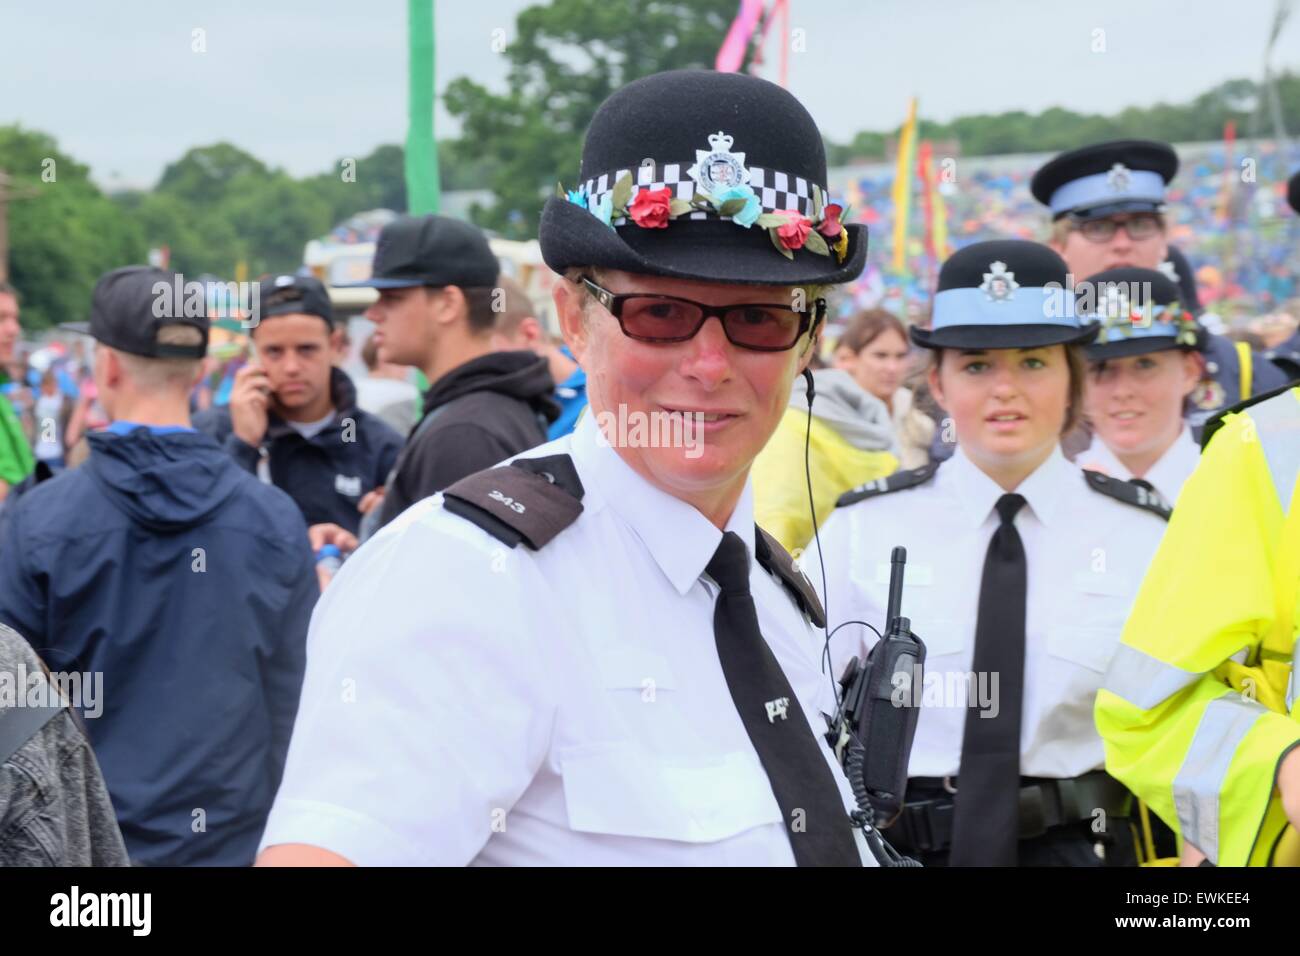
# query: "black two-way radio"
{"type": "Point", "coordinates": [878, 700]}
{"type": "Point", "coordinates": [867, 694]}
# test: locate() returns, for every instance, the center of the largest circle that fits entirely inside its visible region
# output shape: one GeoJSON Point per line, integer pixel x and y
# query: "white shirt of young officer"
{"type": "Point", "coordinates": [1166, 476]}
{"type": "Point", "coordinates": [469, 703]}
{"type": "Point", "coordinates": [1086, 554]}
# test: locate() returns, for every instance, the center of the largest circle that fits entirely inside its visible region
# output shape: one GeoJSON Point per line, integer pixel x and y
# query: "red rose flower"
{"type": "Point", "coordinates": [795, 231]}
{"type": "Point", "coordinates": [650, 208]}
{"type": "Point", "coordinates": [830, 224]}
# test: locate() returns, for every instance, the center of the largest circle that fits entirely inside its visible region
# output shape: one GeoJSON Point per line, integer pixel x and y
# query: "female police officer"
{"type": "Point", "coordinates": [1020, 572]}
{"type": "Point", "coordinates": [1141, 369]}
{"type": "Point", "coordinates": [590, 656]}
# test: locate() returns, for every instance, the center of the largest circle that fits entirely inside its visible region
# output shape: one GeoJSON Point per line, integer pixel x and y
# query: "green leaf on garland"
{"type": "Point", "coordinates": [769, 220]}
{"type": "Point", "coordinates": [731, 207]}
{"type": "Point", "coordinates": [622, 193]}
{"type": "Point", "coordinates": [559, 191]}
{"type": "Point", "coordinates": [776, 241]}
{"type": "Point", "coordinates": [678, 206]}
{"type": "Point", "coordinates": [817, 202]}
{"type": "Point", "coordinates": [700, 197]}
{"type": "Point", "coordinates": [815, 243]}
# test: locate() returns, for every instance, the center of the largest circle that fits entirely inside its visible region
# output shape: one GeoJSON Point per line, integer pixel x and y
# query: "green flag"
{"type": "Point", "coordinates": [422, 185]}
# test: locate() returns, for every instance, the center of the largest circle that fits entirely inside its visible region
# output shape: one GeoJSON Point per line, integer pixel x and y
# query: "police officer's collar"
{"type": "Point", "coordinates": [681, 539]}
{"type": "Point", "coordinates": [978, 493]}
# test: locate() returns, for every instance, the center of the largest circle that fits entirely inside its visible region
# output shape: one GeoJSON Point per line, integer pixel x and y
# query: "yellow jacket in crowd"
{"type": "Point", "coordinates": [852, 442]}
{"type": "Point", "coordinates": [1197, 709]}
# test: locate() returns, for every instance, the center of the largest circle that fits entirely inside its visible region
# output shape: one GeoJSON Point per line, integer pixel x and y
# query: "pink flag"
{"type": "Point", "coordinates": [732, 52]}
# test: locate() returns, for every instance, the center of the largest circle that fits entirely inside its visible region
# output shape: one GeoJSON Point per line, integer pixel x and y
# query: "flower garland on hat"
{"type": "Point", "coordinates": [823, 234]}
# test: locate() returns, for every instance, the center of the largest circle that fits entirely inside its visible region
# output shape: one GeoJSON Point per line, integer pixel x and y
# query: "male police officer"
{"type": "Point", "coordinates": [293, 418]}
{"type": "Point", "coordinates": [1107, 202]}
{"type": "Point", "coordinates": [590, 655]}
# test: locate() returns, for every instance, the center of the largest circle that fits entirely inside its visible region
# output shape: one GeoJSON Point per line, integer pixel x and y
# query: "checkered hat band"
{"type": "Point", "coordinates": [776, 191]}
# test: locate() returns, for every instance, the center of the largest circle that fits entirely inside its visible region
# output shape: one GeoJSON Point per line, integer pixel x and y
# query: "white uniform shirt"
{"type": "Point", "coordinates": [1086, 554]}
{"type": "Point", "coordinates": [469, 703]}
{"type": "Point", "coordinates": [1166, 476]}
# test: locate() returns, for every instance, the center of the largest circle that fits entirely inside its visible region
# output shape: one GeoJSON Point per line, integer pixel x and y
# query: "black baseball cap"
{"type": "Point", "coordinates": [132, 305]}
{"type": "Point", "coordinates": [433, 251]}
{"type": "Point", "coordinates": [293, 295]}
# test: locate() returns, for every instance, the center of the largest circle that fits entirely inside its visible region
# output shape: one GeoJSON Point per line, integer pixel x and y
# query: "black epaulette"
{"type": "Point", "coordinates": [898, 481]}
{"type": "Point", "coordinates": [1215, 422]}
{"type": "Point", "coordinates": [1136, 492]}
{"type": "Point", "coordinates": [772, 556]}
{"type": "Point", "coordinates": [530, 500]}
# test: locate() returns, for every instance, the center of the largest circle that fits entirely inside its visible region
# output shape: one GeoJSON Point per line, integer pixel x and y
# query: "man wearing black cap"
{"type": "Point", "coordinates": [175, 576]}
{"type": "Point", "coordinates": [293, 418]}
{"type": "Point", "coordinates": [591, 655]}
{"type": "Point", "coordinates": [1107, 202]}
{"type": "Point", "coordinates": [437, 309]}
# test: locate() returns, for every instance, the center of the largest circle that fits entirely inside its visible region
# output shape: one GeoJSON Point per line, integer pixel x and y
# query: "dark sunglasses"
{"type": "Point", "coordinates": [761, 327]}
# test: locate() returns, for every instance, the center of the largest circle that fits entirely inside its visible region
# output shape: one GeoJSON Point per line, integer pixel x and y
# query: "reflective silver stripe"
{"type": "Point", "coordinates": [1224, 724]}
{"type": "Point", "coordinates": [1277, 422]}
{"type": "Point", "coordinates": [1143, 680]}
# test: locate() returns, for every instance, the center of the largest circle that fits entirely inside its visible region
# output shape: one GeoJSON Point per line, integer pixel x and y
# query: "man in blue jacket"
{"type": "Point", "coordinates": [293, 418]}
{"type": "Point", "coordinates": [177, 577]}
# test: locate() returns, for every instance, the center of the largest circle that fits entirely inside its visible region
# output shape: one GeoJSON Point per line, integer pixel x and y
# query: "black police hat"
{"type": "Point", "coordinates": [1126, 175]}
{"type": "Point", "coordinates": [1004, 294]}
{"type": "Point", "coordinates": [433, 251]}
{"type": "Point", "coordinates": [294, 295]}
{"type": "Point", "coordinates": [131, 306]}
{"type": "Point", "coordinates": [698, 132]}
{"type": "Point", "coordinates": [1293, 192]}
{"type": "Point", "coordinates": [1140, 311]}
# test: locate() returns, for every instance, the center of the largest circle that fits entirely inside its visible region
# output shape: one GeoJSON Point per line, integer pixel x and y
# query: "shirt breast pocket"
{"type": "Point", "coordinates": [627, 791]}
{"type": "Point", "coordinates": [1089, 647]}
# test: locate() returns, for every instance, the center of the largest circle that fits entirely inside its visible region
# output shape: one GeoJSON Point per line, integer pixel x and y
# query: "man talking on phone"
{"type": "Point", "coordinates": [293, 418]}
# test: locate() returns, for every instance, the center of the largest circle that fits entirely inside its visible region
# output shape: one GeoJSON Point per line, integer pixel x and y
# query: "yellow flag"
{"type": "Point", "coordinates": [903, 184]}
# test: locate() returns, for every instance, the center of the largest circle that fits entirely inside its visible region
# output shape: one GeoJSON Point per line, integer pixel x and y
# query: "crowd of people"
{"type": "Point", "coordinates": [571, 604]}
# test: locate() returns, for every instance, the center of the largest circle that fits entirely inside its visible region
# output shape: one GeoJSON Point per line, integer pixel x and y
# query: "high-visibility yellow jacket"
{"type": "Point", "coordinates": [1197, 708]}
{"type": "Point", "coordinates": [781, 483]}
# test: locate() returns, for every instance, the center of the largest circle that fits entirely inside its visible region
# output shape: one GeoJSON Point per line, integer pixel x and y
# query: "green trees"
{"type": "Point", "coordinates": [567, 57]}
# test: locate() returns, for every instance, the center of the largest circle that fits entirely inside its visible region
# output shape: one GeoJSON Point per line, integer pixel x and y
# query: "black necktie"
{"type": "Point", "coordinates": [986, 820]}
{"type": "Point", "coordinates": [820, 831]}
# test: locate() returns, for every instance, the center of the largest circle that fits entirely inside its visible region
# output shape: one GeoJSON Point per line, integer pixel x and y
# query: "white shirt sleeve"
{"type": "Point", "coordinates": [428, 702]}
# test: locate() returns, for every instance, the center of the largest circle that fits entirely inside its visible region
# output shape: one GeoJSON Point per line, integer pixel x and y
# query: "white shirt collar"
{"type": "Point", "coordinates": [1174, 466]}
{"type": "Point", "coordinates": [1042, 490]}
{"type": "Point", "coordinates": [679, 537]}
{"type": "Point", "coordinates": [1166, 476]}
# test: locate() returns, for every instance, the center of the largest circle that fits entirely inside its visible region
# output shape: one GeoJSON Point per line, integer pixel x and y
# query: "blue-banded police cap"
{"type": "Point", "coordinates": [1103, 179]}
{"type": "Point", "coordinates": [1004, 294]}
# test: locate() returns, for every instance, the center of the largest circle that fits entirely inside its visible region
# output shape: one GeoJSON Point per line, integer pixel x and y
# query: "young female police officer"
{"type": "Point", "coordinates": [1020, 571]}
{"type": "Point", "coordinates": [591, 656]}
{"type": "Point", "coordinates": [1141, 369]}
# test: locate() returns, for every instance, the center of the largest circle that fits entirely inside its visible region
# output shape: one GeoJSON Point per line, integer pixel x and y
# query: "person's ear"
{"type": "Point", "coordinates": [936, 386]}
{"type": "Point", "coordinates": [338, 347]}
{"type": "Point", "coordinates": [531, 333]}
{"type": "Point", "coordinates": [1193, 364]}
{"type": "Point", "coordinates": [569, 298]}
{"type": "Point", "coordinates": [449, 305]}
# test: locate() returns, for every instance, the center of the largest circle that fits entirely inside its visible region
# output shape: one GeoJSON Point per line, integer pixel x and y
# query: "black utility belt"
{"type": "Point", "coordinates": [925, 823]}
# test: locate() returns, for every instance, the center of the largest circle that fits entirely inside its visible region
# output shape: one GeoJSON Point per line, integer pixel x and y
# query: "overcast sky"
{"type": "Point", "coordinates": [300, 83]}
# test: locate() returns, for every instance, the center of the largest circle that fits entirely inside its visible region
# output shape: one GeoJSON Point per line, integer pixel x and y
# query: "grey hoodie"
{"type": "Point", "coordinates": [859, 417]}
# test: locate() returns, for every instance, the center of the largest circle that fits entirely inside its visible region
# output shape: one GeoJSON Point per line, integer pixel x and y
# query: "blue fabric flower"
{"type": "Point", "coordinates": [749, 213]}
{"type": "Point", "coordinates": [578, 198]}
{"type": "Point", "coordinates": [604, 209]}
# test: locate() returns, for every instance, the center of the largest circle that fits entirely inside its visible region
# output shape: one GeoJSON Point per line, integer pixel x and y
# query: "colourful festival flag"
{"type": "Point", "coordinates": [903, 185]}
